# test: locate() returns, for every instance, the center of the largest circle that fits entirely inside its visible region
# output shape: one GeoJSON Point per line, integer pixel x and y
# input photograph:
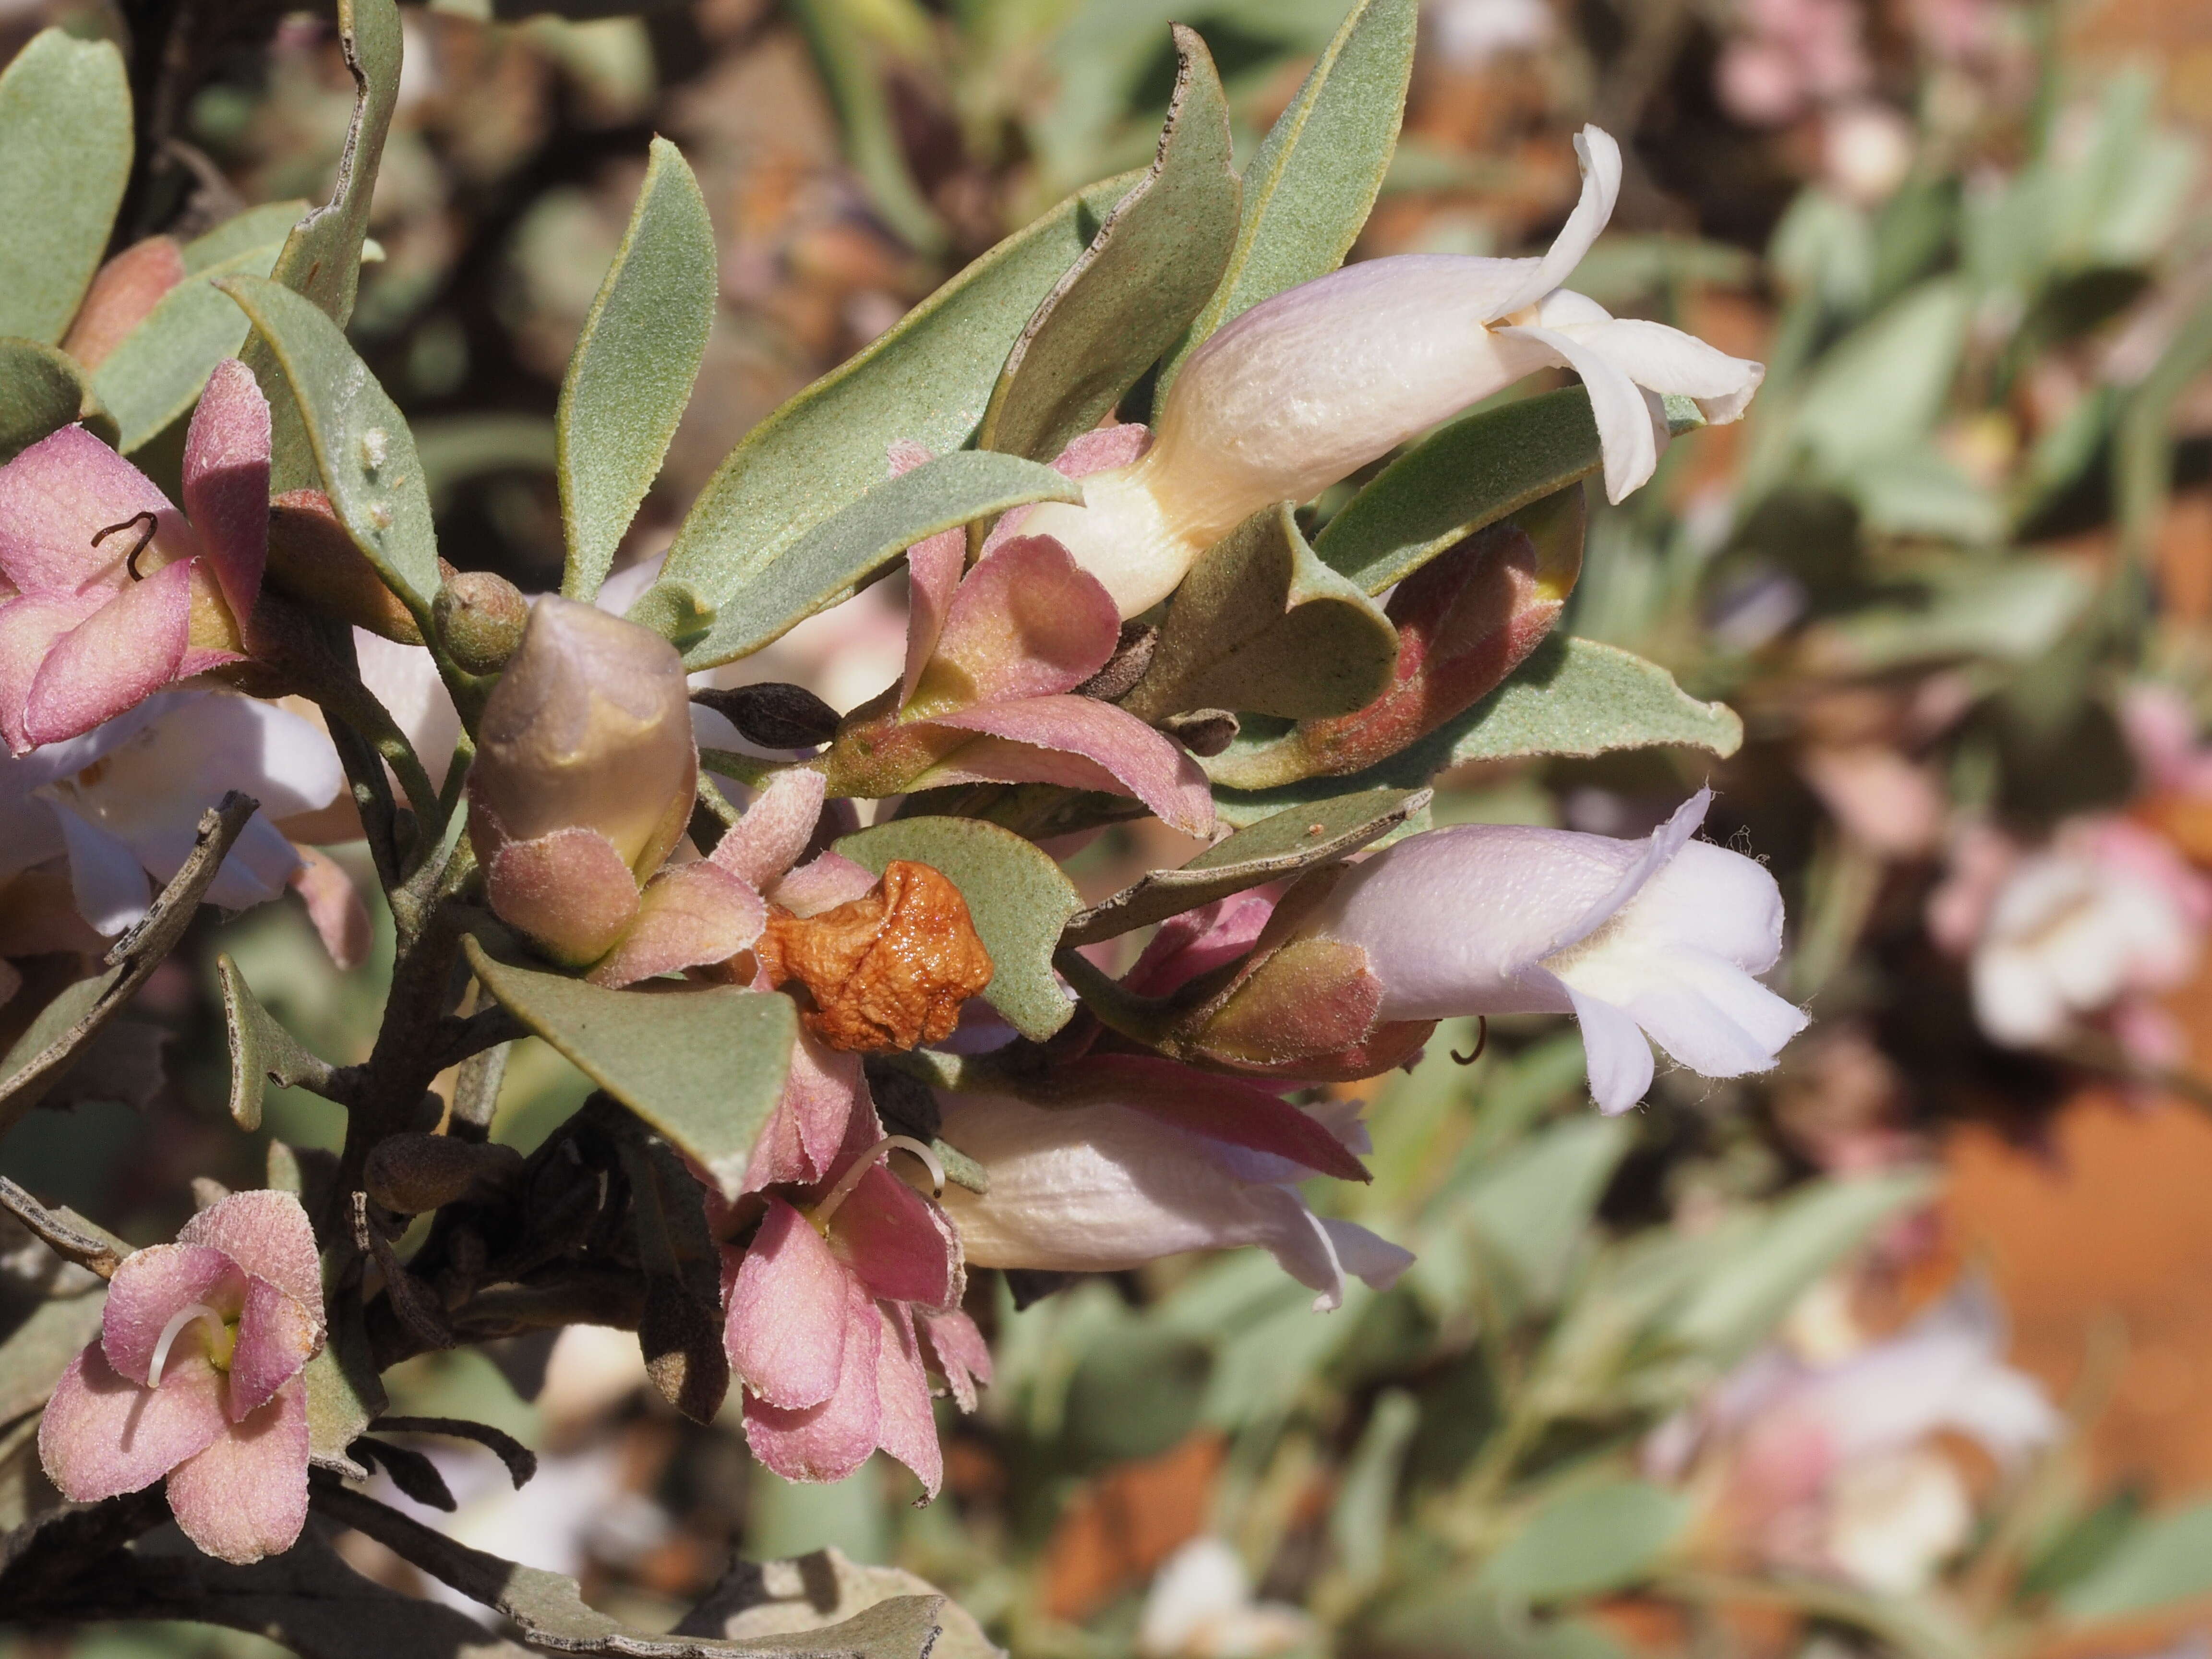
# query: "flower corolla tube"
{"type": "Point", "coordinates": [1308, 387]}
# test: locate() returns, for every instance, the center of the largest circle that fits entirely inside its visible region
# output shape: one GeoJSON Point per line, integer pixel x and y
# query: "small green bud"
{"type": "Point", "coordinates": [480, 617]}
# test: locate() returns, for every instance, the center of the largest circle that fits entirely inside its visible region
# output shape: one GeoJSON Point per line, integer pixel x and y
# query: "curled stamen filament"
{"type": "Point", "coordinates": [148, 524]}
{"type": "Point", "coordinates": [835, 1199]}
{"type": "Point", "coordinates": [173, 1330]}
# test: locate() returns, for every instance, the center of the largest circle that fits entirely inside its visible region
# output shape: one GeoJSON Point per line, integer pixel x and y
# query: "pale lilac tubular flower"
{"type": "Point", "coordinates": [1830, 1467]}
{"type": "Point", "coordinates": [1308, 387]}
{"type": "Point", "coordinates": [1145, 1169]}
{"type": "Point", "coordinates": [111, 594]}
{"type": "Point", "coordinates": [1658, 938]}
{"type": "Point", "coordinates": [124, 801]}
{"type": "Point", "coordinates": [195, 1376]}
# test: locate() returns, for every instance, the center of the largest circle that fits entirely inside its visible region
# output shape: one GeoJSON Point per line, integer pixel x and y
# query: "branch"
{"type": "Point", "coordinates": [65, 1232]}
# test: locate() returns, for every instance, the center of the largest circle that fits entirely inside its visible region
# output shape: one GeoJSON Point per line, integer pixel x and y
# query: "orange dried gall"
{"type": "Point", "coordinates": [885, 971]}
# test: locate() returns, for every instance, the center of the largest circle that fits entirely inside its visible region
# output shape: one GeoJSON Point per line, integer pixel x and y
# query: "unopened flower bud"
{"type": "Point", "coordinates": [480, 616]}
{"type": "Point", "coordinates": [774, 714]}
{"type": "Point", "coordinates": [589, 728]}
{"type": "Point", "coordinates": [886, 971]}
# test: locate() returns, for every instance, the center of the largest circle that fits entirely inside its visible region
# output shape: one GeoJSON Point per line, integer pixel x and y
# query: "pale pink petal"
{"type": "Point", "coordinates": [1219, 1108]}
{"type": "Point", "coordinates": [824, 1098]}
{"type": "Point", "coordinates": [786, 1332]}
{"type": "Point", "coordinates": [114, 659]}
{"type": "Point", "coordinates": [1199, 941]}
{"type": "Point", "coordinates": [769, 839]}
{"type": "Point", "coordinates": [1126, 757]}
{"type": "Point", "coordinates": [1600, 164]}
{"type": "Point", "coordinates": [1028, 621]}
{"type": "Point", "coordinates": [570, 890]}
{"type": "Point", "coordinates": [687, 917]}
{"type": "Point", "coordinates": [334, 906]}
{"type": "Point", "coordinates": [1102, 449]}
{"type": "Point", "coordinates": [226, 481]}
{"type": "Point", "coordinates": [59, 493]}
{"type": "Point", "coordinates": [151, 1287]}
{"type": "Point", "coordinates": [104, 1434]}
{"type": "Point", "coordinates": [266, 1232]}
{"type": "Point", "coordinates": [1618, 1058]}
{"type": "Point", "coordinates": [829, 1441]}
{"type": "Point", "coordinates": [962, 1354]}
{"type": "Point", "coordinates": [276, 1335]}
{"type": "Point", "coordinates": [822, 884]}
{"type": "Point", "coordinates": [28, 629]}
{"type": "Point", "coordinates": [899, 1243]}
{"type": "Point", "coordinates": [906, 1427]}
{"type": "Point", "coordinates": [1628, 437]}
{"type": "Point", "coordinates": [1663, 359]}
{"type": "Point", "coordinates": [933, 569]}
{"type": "Point", "coordinates": [245, 1496]}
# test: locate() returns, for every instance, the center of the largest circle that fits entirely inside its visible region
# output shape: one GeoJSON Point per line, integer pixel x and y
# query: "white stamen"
{"type": "Point", "coordinates": [833, 1201]}
{"type": "Point", "coordinates": [173, 1330]}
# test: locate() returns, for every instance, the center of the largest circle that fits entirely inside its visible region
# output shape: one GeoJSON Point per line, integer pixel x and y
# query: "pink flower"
{"type": "Point", "coordinates": [846, 1295]}
{"type": "Point", "coordinates": [195, 1376]}
{"type": "Point", "coordinates": [116, 593]}
{"type": "Point", "coordinates": [990, 659]}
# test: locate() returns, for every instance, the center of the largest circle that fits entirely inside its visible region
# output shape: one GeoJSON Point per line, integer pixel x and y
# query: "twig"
{"type": "Point", "coordinates": [65, 1232]}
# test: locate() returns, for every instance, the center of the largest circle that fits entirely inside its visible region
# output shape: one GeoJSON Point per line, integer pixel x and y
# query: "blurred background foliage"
{"type": "Point", "coordinates": [1726, 1377]}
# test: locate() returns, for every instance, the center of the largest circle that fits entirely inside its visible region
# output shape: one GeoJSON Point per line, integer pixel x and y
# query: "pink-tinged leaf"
{"type": "Point", "coordinates": [570, 890]}
{"type": "Point", "coordinates": [267, 1233]}
{"type": "Point", "coordinates": [765, 842]}
{"type": "Point", "coordinates": [899, 1243]}
{"type": "Point", "coordinates": [1199, 941]}
{"type": "Point", "coordinates": [226, 481]}
{"type": "Point", "coordinates": [151, 1288]}
{"type": "Point", "coordinates": [104, 1434]}
{"type": "Point", "coordinates": [276, 1335]}
{"type": "Point", "coordinates": [126, 288]}
{"type": "Point", "coordinates": [1028, 621]}
{"type": "Point", "coordinates": [112, 660]}
{"type": "Point", "coordinates": [1100, 450]}
{"type": "Point", "coordinates": [1219, 1108]}
{"type": "Point", "coordinates": [28, 628]}
{"type": "Point", "coordinates": [245, 1496]}
{"type": "Point", "coordinates": [906, 1427]}
{"type": "Point", "coordinates": [933, 568]}
{"type": "Point", "coordinates": [821, 883]}
{"type": "Point", "coordinates": [827, 1442]}
{"type": "Point", "coordinates": [59, 493]}
{"type": "Point", "coordinates": [960, 1354]}
{"type": "Point", "coordinates": [785, 1333]}
{"type": "Point", "coordinates": [687, 917]}
{"type": "Point", "coordinates": [1042, 735]}
{"type": "Point", "coordinates": [334, 906]}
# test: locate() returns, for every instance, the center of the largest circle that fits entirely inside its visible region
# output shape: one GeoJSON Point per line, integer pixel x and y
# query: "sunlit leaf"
{"type": "Point", "coordinates": [42, 390]}
{"type": "Point", "coordinates": [65, 131]}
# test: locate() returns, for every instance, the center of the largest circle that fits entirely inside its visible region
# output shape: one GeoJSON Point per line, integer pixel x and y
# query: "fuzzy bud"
{"type": "Point", "coordinates": [589, 729]}
{"type": "Point", "coordinates": [480, 617]}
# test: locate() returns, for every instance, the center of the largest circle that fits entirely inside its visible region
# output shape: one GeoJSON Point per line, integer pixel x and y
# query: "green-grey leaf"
{"type": "Point", "coordinates": [703, 1065]}
{"type": "Point", "coordinates": [1471, 473]}
{"type": "Point", "coordinates": [34, 1353]}
{"type": "Point", "coordinates": [344, 1392]}
{"type": "Point", "coordinates": [261, 1051]}
{"type": "Point", "coordinates": [42, 390]}
{"type": "Point", "coordinates": [158, 370]}
{"type": "Point", "coordinates": [321, 256]}
{"type": "Point", "coordinates": [58, 1035]}
{"type": "Point", "coordinates": [756, 1598]}
{"type": "Point", "coordinates": [675, 612]}
{"type": "Point", "coordinates": [2012, 611]}
{"type": "Point", "coordinates": [1570, 698]}
{"type": "Point", "coordinates": [1807, 1234]}
{"type": "Point", "coordinates": [1307, 191]}
{"type": "Point", "coordinates": [1586, 1541]}
{"type": "Point", "coordinates": [1261, 626]}
{"type": "Point", "coordinates": [927, 379]}
{"type": "Point", "coordinates": [1137, 287]}
{"type": "Point", "coordinates": [65, 130]}
{"type": "Point", "coordinates": [1885, 385]}
{"type": "Point", "coordinates": [1530, 1205]}
{"type": "Point", "coordinates": [2163, 1560]}
{"type": "Point", "coordinates": [266, 225]}
{"type": "Point", "coordinates": [831, 561]}
{"type": "Point", "coordinates": [1018, 896]}
{"type": "Point", "coordinates": [364, 456]}
{"type": "Point", "coordinates": [1272, 849]}
{"type": "Point", "coordinates": [631, 372]}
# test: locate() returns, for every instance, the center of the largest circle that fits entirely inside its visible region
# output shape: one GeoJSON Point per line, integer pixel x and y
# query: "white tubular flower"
{"type": "Point", "coordinates": [1306, 386]}
{"type": "Point", "coordinates": [1662, 934]}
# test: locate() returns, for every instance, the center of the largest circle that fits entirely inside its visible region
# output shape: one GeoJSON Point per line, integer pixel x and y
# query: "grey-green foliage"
{"type": "Point", "coordinates": [631, 372]}
{"type": "Point", "coordinates": [2165, 1560]}
{"type": "Point", "coordinates": [42, 390]}
{"type": "Point", "coordinates": [1585, 1541]}
{"type": "Point", "coordinates": [66, 133]}
{"type": "Point", "coordinates": [1129, 297]}
{"type": "Point", "coordinates": [1308, 189]}
{"type": "Point", "coordinates": [926, 380]}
